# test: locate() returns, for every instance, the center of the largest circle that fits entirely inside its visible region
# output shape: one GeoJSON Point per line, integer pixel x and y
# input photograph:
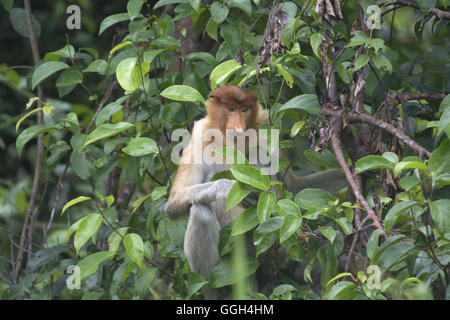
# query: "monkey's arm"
{"type": "Point", "coordinates": [329, 180]}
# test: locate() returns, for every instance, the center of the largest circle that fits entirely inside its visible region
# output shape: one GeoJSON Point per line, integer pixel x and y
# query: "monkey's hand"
{"type": "Point", "coordinates": [206, 193]}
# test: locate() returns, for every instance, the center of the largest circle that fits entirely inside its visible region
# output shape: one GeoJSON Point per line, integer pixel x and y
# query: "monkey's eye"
{"type": "Point", "coordinates": [244, 110]}
{"type": "Point", "coordinates": [230, 108]}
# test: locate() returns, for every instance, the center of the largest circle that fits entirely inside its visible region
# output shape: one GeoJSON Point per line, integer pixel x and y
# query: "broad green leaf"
{"type": "Point", "coordinates": [372, 162]}
{"type": "Point", "coordinates": [74, 202]}
{"type": "Point", "coordinates": [329, 233]}
{"type": "Point", "coordinates": [30, 133]}
{"type": "Point", "coordinates": [285, 207]}
{"type": "Point", "coordinates": [68, 51]}
{"type": "Point", "coordinates": [286, 75]}
{"type": "Point", "coordinates": [381, 61]}
{"type": "Point", "coordinates": [297, 127]}
{"type": "Point", "coordinates": [18, 19]}
{"type": "Point", "coordinates": [69, 77]}
{"type": "Point", "coordinates": [386, 244]}
{"type": "Point", "coordinates": [223, 275]}
{"type": "Point", "coordinates": [244, 5]}
{"type": "Point", "coordinates": [106, 130]}
{"type": "Point", "coordinates": [269, 226]}
{"type": "Point", "coordinates": [88, 226]}
{"type": "Point", "coordinates": [134, 247]}
{"type": "Point", "coordinates": [346, 226]}
{"type": "Point", "coordinates": [310, 198]}
{"type": "Point", "coordinates": [182, 93]}
{"type": "Point", "coordinates": [140, 146]}
{"type": "Point", "coordinates": [219, 12]}
{"type": "Point", "coordinates": [372, 244]}
{"type": "Point", "coordinates": [105, 114]}
{"type": "Point", "coordinates": [162, 3]}
{"type": "Point", "coordinates": [361, 61]}
{"type": "Point", "coordinates": [316, 40]}
{"type": "Point", "coordinates": [305, 102]}
{"type": "Point", "coordinates": [26, 116]}
{"type": "Point", "coordinates": [205, 56]}
{"type": "Point", "coordinates": [394, 254]}
{"type": "Point", "coordinates": [91, 51]}
{"type": "Point", "coordinates": [90, 264]}
{"type": "Point", "coordinates": [266, 203]}
{"type": "Point", "coordinates": [403, 165]}
{"type": "Point", "coordinates": [291, 225]}
{"type": "Point", "coordinates": [440, 213]}
{"type": "Point", "coordinates": [237, 193]}
{"type": "Point", "coordinates": [139, 201]}
{"type": "Point", "coordinates": [395, 212]}
{"type": "Point", "coordinates": [223, 71]}
{"type": "Point", "coordinates": [115, 238]}
{"type": "Point", "coordinates": [194, 283]}
{"type": "Point", "coordinates": [324, 158]}
{"type": "Point", "coordinates": [112, 20]}
{"type": "Point", "coordinates": [251, 176]}
{"type": "Point", "coordinates": [247, 220]}
{"type": "Point", "coordinates": [344, 290]}
{"type": "Point", "coordinates": [129, 74]}
{"type": "Point", "coordinates": [149, 55]}
{"type": "Point", "coordinates": [232, 155]}
{"type": "Point", "coordinates": [195, 4]}
{"type": "Point", "coordinates": [346, 75]}
{"type": "Point", "coordinates": [134, 7]}
{"type": "Point", "coordinates": [45, 70]}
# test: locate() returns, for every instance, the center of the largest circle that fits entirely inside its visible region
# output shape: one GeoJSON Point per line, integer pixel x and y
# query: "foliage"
{"type": "Point", "coordinates": [107, 169]}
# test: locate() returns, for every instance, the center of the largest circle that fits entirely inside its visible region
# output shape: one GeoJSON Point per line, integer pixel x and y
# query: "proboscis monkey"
{"type": "Point", "coordinates": [231, 111]}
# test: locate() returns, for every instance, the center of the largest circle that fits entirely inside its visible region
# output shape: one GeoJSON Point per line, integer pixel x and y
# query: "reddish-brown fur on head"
{"type": "Point", "coordinates": [234, 108]}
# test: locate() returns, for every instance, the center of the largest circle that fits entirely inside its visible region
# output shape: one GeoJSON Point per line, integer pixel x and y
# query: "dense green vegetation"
{"type": "Point", "coordinates": [85, 125]}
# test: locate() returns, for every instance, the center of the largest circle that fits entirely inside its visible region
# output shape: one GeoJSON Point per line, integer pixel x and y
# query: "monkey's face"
{"type": "Point", "coordinates": [232, 109]}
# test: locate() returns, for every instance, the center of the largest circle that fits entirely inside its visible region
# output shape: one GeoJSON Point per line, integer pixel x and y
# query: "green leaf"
{"type": "Point", "coordinates": [223, 275]}
{"type": "Point", "coordinates": [316, 40]}
{"type": "Point", "coordinates": [440, 213]}
{"type": "Point", "coordinates": [90, 263]}
{"type": "Point", "coordinates": [194, 283]}
{"type": "Point", "coordinates": [162, 3]}
{"type": "Point", "coordinates": [134, 247]}
{"type": "Point", "coordinates": [237, 193]}
{"type": "Point", "coordinates": [340, 275]}
{"type": "Point", "coordinates": [45, 70]}
{"type": "Point", "coordinates": [310, 198]}
{"type": "Point", "coordinates": [361, 61]}
{"type": "Point", "coordinates": [386, 244]}
{"type": "Point", "coordinates": [291, 225]}
{"type": "Point", "coordinates": [286, 75]}
{"type": "Point", "coordinates": [69, 77]}
{"type": "Point", "coordinates": [99, 65]}
{"type": "Point", "coordinates": [141, 146]}
{"type": "Point", "coordinates": [372, 162]}
{"type": "Point", "coordinates": [394, 254]}
{"type": "Point", "coordinates": [219, 12]}
{"type": "Point", "coordinates": [381, 61]}
{"type": "Point", "coordinates": [344, 290]}
{"type": "Point", "coordinates": [26, 116]}
{"type": "Point", "coordinates": [125, 44]}
{"type": "Point", "coordinates": [74, 202]}
{"type": "Point", "coordinates": [285, 207]}
{"type": "Point", "coordinates": [88, 226]}
{"type": "Point", "coordinates": [345, 225]}
{"type": "Point", "coordinates": [223, 71]}
{"type": "Point", "coordinates": [134, 7]}
{"type": "Point", "coordinates": [106, 130]}
{"type": "Point", "coordinates": [18, 19]}
{"type": "Point", "coordinates": [129, 74]}
{"type": "Point", "coordinates": [68, 51]}
{"type": "Point", "coordinates": [305, 102]}
{"type": "Point", "coordinates": [112, 20]}
{"type": "Point", "coordinates": [266, 203]}
{"type": "Point", "coordinates": [325, 158]}
{"type": "Point", "coordinates": [329, 233]}
{"type": "Point", "coordinates": [372, 244]}
{"type": "Point", "coordinates": [251, 176]}
{"type": "Point", "coordinates": [246, 221]}
{"type": "Point", "coordinates": [149, 55]}
{"type": "Point", "coordinates": [297, 127]}
{"type": "Point", "coordinates": [138, 202]}
{"type": "Point", "coordinates": [205, 56]}
{"type": "Point", "coordinates": [182, 93]}
{"type": "Point", "coordinates": [244, 5]}
{"type": "Point", "coordinates": [346, 75]}
{"type": "Point", "coordinates": [115, 238]}
{"type": "Point", "coordinates": [31, 133]}
{"type": "Point", "coordinates": [403, 165]}
{"type": "Point", "coordinates": [395, 212]}
{"type": "Point", "coordinates": [269, 226]}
